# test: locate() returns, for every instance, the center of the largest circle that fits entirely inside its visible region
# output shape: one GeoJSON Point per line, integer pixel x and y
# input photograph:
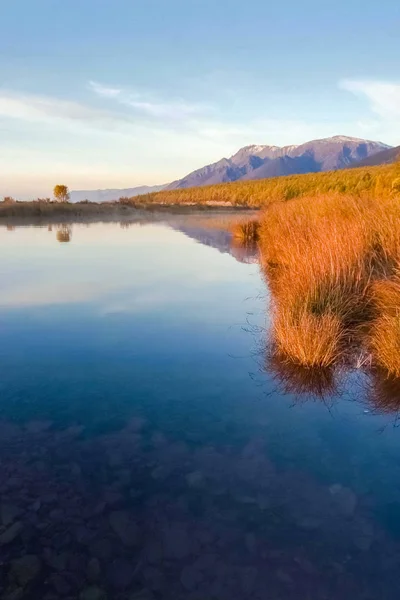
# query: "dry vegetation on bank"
{"type": "Point", "coordinates": [261, 193]}
{"type": "Point", "coordinates": [333, 266]}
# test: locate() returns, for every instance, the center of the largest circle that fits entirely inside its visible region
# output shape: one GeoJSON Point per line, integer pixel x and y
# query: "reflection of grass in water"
{"type": "Point", "coordinates": [297, 379]}
{"type": "Point", "coordinates": [384, 392]}
{"type": "Point", "coordinates": [64, 235]}
{"type": "Point", "coordinates": [244, 252]}
{"type": "Point", "coordinates": [246, 232]}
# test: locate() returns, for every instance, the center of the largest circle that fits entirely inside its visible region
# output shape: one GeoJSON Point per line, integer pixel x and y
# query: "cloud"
{"type": "Point", "coordinates": [28, 107]}
{"type": "Point", "coordinates": [149, 105]}
{"type": "Point", "coordinates": [383, 97]}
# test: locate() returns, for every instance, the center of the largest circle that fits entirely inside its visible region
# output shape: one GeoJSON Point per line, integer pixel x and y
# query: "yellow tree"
{"type": "Point", "coordinates": [61, 193]}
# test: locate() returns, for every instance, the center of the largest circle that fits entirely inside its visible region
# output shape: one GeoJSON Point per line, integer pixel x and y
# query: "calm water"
{"type": "Point", "coordinates": [146, 451]}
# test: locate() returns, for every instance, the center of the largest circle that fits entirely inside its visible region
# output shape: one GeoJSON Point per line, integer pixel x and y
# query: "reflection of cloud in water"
{"type": "Point", "coordinates": [42, 294]}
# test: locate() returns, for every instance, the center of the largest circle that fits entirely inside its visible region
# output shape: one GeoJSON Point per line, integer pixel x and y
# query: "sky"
{"type": "Point", "coordinates": [118, 93]}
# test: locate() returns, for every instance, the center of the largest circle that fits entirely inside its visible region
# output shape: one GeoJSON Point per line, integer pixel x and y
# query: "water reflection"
{"type": "Point", "coordinates": [302, 381]}
{"type": "Point", "coordinates": [383, 392]}
{"type": "Point", "coordinates": [64, 234]}
{"type": "Point", "coordinates": [137, 458]}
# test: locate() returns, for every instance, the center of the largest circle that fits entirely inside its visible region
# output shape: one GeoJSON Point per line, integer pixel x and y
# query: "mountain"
{"type": "Point", "coordinates": [260, 162]}
{"type": "Point", "coordinates": [386, 157]}
{"type": "Point", "coordinates": [110, 195]}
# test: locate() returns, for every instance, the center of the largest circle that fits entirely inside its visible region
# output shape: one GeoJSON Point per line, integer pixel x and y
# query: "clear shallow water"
{"type": "Point", "coordinates": [145, 452]}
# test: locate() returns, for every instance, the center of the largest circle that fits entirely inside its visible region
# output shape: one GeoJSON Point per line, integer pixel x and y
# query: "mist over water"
{"type": "Point", "coordinates": [151, 445]}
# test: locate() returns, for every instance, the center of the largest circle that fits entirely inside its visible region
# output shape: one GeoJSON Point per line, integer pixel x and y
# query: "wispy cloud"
{"type": "Point", "coordinates": [150, 105]}
{"type": "Point", "coordinates": [383, 97]}
{"type": "Point", "coordinates": [29, 107]}
{"type": "Point", "coordinates": [380, 118]}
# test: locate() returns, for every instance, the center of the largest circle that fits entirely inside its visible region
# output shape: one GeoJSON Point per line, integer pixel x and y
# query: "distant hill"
{"type": "Point", "coordinates": [261, 162]}
{"type": "Point", "coordinates": [386, 157]}
{"type": "Point", "coordinates": [110, 195]}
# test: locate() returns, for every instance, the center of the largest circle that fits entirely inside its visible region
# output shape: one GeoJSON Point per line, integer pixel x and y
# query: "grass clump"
{"type": "Point", "coordinates": [331, 263]}
{"type": "Point", "coordinates": [310, 340]}
{"type": "Point", "coordinates": [384, 334]}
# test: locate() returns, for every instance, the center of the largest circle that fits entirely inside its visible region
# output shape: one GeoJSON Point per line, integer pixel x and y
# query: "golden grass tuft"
{"type": "Point", "coordinates": [309, 340]}
{"type": "Point", "coordinates": [385, 343]}
{"type": "Point", "coordinates": [328, 261]}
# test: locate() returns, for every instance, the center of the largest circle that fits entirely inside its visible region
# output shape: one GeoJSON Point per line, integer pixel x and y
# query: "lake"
{"type": "Point", "coordinates": [149, 449]}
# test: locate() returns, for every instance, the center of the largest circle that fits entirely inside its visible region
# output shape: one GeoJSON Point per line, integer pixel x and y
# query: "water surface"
{"type": "Point", "coordinates": [148, 449]}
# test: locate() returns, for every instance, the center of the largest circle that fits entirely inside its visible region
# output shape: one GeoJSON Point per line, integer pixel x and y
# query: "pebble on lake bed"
{"type": "Point", "coordinates": [25, 569]}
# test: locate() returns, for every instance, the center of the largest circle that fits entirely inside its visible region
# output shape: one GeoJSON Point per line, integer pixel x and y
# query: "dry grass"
{"type": "Point", "coordinates": [332, 265]}
{"type": "Point", "coordinates": [384, 333]}
{"type": "Point", "coordinates": [385, 343]}
{"type": "Point", "coordinates": [261, 193]}
{"type": "Point", "coordinates": [308, 339]}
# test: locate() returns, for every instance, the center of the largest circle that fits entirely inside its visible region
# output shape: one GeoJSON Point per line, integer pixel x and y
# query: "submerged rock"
{"type": "Point", "coordinates": [191, 577]}
{"type": "Point", "coordinates": [60, 584]}
{"type": "Point", "coordinates": [10, 534]}
{"type": "Point", "coordinates": [136, 424]}
{"type": "Point", "coordinates": [38, 426]}
{"type": "Point", "coordinates": [124, 527]}
{"type": "Point", "coordinates": [195, 479]}
{"type": "Point", "coordinates": [25, 569]}
{"type": "Point", "coordinates": [13, 594]}
{"type": "Point", "coordinates": [176, 542]}
{"type": "Point", "coordinates": [248, 577]}
{"type": "Point", "coordinates": [120, 574]}
{"type": "Point", "coordinates": [8, 514]}
{"type": "Point", "coordinates": [154, 578]}
{"type": "Point", "coordinates": [93, 593]}
{"type": "Point", "coordinates": [344, 498]}
{"type": "Point", "coordinates": [144, 594]}
{"type": "Point", "coordinates": [93, 570]}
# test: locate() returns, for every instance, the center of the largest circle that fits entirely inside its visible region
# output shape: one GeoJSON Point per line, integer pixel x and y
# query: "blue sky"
{"type": "Point", "coordinates": [101, 93]}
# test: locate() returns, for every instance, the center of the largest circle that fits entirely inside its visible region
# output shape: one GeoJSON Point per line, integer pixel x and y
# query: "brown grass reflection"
{"type": "Point", "coordinates": [294, 378]}
{"type": "Point", "coordinates": [64, 234]}
{"type": "Point", "coordinates": [384, 392]}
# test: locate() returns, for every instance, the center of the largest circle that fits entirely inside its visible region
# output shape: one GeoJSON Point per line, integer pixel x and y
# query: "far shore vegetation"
{"type": "Point", "coordinates": [377, 181]}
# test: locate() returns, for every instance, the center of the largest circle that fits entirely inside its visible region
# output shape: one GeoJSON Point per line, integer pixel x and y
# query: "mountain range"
{"type": "Point", "coordinates": [386, 157]}
{"type": "Point", "coordinates": [261, 162]}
